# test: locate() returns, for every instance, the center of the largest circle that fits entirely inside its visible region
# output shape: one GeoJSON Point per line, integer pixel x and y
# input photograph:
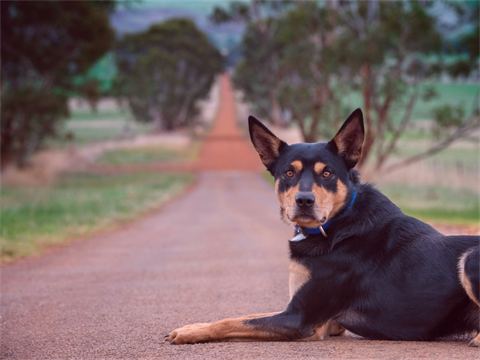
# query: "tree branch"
{"type": "Point", "coordinates": [469, 125]}
{"type": "Point", "coordinates": [399, 131]}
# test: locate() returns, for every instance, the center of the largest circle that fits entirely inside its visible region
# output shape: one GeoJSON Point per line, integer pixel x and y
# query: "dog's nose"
{"type": "Point", "coordinates": [305, 199]}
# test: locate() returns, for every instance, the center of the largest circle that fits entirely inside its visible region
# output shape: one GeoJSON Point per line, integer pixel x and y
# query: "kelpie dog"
{"type": "Point", "coordinates": [358, 262]}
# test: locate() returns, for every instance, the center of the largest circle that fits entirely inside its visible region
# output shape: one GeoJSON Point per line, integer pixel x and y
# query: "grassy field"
{"type": "Point", "coordinates": [147, 154]}
{"type": "Point", "coordinates": [453, 94]}
{"type": "Point", "coordinates": [110, 114]}
{"type": "Point", "coordinates": [437, 204]}
{"type": "Point", "coordinates": [110, 122]}
{"type": "Point", "coordinates": [78, 205]}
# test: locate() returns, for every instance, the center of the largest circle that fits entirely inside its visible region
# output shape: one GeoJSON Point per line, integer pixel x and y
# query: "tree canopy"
{"type": "Point", "coordinates": [44, 45]}
{"type": "Point", "coordinates": [299, 61]}
{"type": "Point", "coordinates": [164, 71]}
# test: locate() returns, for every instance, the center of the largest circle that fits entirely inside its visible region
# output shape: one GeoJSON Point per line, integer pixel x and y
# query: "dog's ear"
{"type": "Point", "coordinates": [349, 140]}
{"type": "Point", "coordinates": [267, 145]}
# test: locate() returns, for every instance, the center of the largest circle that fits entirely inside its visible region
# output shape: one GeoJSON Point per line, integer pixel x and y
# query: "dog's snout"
{"type": "Point", "coordinates": [305, 199]}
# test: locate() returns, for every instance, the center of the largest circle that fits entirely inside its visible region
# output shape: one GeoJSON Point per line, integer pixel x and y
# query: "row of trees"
{"type": "Point", "coordinates": [301, 58]}
{"type": "Point", "coordinates": [47, 48]}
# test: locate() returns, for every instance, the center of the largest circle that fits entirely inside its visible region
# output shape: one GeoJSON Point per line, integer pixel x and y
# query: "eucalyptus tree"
{"type": "Point", "coordinates": [44, 46]}
{"type": "Point", "coordinates": [164, 71]}
{"type": "Point", "coordinates": [327, 50]}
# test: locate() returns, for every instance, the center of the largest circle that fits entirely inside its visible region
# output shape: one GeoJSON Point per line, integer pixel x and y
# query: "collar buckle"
{"type": "Point", "coordinates": [323, 232]}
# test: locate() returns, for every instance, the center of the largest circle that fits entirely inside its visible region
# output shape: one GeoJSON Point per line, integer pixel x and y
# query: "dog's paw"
{"type": "Point", "coordinates": [475, 342]}
{"type": "Point", "coordinates": [190, 334]}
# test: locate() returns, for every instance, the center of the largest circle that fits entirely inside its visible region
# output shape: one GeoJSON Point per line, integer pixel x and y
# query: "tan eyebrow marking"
{"type": "Point", "coordinates": [318, 168]}
{"type": "Point", "coordinates": [297, 165]}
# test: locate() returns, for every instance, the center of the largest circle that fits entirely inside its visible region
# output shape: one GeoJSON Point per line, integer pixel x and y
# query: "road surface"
{"type": "Point", "coordinates": [219, 250]}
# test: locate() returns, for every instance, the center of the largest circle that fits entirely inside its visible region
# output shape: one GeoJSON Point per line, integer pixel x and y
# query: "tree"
{"type": "Point", "coordinates": [45, 44]}
{"type": "Point", "coordinates": [290, 66]}
{"type": "Point", "coordinates": [262, 46]}
{"type": "Point", "coordinates": [393, 64]}
{"type": "Point", "coordinates": [165, 71]}
{"type": "Point", "coordinates": [90, 90]}
{"type": "Point", "coordinates": [326, 49]}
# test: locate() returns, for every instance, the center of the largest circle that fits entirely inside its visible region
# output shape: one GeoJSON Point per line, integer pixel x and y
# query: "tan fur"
{"type": "Point", "coordinates": [287, 200]}
{"type": "Point", "coordinates": [475, 341]}
{"type": "Point", "coordinates": [266, 146]}
{"type": "Point", "coordinates": [355, 152]}
{"type": "Point", "coordinates": [318, 168]}
{"type": "Point", "coordinates": [297, 165]}
{"type": "Point", "coordinates": [220, 330]}
{"type": "Point", "coordinates": [299, 276]}
{"type": "Point", "coordinates": [327, 203]}
{"type": "Point", "coordinates": [467, 285]}
{"type": "Point", "coordinates": [331, 328]}
{"type": "Point", "coordinates": [229, 329]}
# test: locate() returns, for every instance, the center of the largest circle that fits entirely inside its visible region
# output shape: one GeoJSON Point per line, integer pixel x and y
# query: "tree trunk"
{"type": "Point", "coordinates": [275, 113]}
{"type": "Point", "coordinates": [383, 155]}
{"type": "Point", "coordinates": [466, 128]}
{"type": "Point", "coordinates": [6, 143]}
{"type": "Point", "coordinates": [301, 125]}
{"type": "Point", "coordinates": [369, 136]}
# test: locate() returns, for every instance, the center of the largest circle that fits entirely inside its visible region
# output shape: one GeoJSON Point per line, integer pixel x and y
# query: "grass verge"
{"type": "Point", "coordinates": [145, 155]}
{"type": "Point", "coordinates": [438, 204]}
{"type": "Point", "coordinates": [78, 205]}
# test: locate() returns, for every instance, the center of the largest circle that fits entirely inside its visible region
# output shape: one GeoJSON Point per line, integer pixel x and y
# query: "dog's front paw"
{"type": "Point", "coordinates": [190, 334]}
{"type": "Point", "coordinates": [475, 342]}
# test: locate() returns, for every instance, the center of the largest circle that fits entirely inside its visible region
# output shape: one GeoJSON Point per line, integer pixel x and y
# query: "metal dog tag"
{"type": "Point", "coordinates": [299, 237]}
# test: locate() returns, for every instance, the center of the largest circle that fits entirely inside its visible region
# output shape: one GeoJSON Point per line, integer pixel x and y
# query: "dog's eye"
{"type": "Point", "coordinates": [289, 173]}
{"type": "Point", "coordinates": [326, 174]}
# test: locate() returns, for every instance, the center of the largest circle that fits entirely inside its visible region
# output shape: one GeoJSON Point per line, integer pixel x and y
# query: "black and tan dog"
{"type": "Point", "coordinates": [358, 262]}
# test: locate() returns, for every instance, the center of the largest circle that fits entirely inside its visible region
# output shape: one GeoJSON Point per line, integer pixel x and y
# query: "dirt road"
{"type": "Point", "coordinates": [218, 251]}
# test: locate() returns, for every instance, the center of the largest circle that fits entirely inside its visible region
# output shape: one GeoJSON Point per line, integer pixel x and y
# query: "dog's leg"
{"type": "Point", "coordinates": [331, 328]}
{"type": "Point", "coordinates": [475, 341]}
{"type": "Point", "coordinates": [469, 274]}
{"type": "Point", "coordinates": [273, 326]}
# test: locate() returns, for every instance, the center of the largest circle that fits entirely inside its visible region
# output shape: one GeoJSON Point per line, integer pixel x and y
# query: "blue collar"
{"type": "Point", "coordinates": [321, 229]}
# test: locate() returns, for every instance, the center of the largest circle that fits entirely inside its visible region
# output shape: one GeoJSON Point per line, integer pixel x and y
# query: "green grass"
{"type": "Point", "coordinates": [87, 115]}
{"type": "Point", "coordinates": [436, 203]}
{"type": "Point", "coordinates": [145, 155]}
{"type": "Point", "coordinates": [136, 156]}
{"type": "Point", "coordinates": [450, 157]}
{"type": "Point", "coordinates": [77, 205]}
{"type": "Point", "coordinates": [84, 127]}
{"type": "Point", "coordinates": [86, 135]}
{"type": "Point", "coordinates": [453, 94]}
{"type": "Point", "coordinates": [270, 179]}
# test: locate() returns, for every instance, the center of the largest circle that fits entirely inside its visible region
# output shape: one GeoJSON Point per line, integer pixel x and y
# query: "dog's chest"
{"type": "Point", "coordinates": [299, 276]}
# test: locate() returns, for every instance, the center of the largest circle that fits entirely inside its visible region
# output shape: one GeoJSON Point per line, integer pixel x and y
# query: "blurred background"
{"type": "Point", "coordinates": [107, 107]}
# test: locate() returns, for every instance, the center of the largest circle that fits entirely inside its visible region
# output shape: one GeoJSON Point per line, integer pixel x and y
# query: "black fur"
{"type": "Point", "coordinates": [380, 273]}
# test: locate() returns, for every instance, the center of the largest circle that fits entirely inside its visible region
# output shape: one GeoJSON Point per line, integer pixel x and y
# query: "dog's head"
{"type": "Point", "coordinates": [312, 181]}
